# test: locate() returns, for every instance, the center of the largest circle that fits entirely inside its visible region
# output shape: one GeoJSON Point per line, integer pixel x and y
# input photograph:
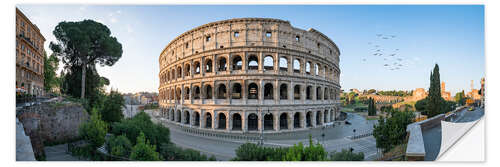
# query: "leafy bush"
{"type": "Point", "coordinates": [171, 152]}
{"type": "Point", "coordinates": [143, 150]}
{"type": "Point", "coordinates": [94, 131]}
{"type": "Point", "coordinates": [141, 122]}
{"type": "Point", "coordinates": [119, 146]}
{"type": "Point", "coordinates": [112, 106]}
{"type": "Point", "coordinates": [347, 155]}
{"type": "Point", "coordinates": [392, 131]}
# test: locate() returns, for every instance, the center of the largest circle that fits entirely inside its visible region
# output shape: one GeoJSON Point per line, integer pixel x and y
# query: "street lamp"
{"type": "Point", "coordinates": [262, 126]}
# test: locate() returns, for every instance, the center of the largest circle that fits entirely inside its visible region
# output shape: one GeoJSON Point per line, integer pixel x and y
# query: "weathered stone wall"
{"type": "Point", "coordinates": [51, 123]}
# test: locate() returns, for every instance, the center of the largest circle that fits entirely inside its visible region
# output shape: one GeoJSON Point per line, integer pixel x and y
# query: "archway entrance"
{"type": "Point", "coordinates": [283, 121]}
{"type": "Point", "coordinates": [208, 121]}
{"type": "Point", "coordinates": [222, 121]}
{"type": "Point", "coordinates": [308, 119]}
{"type": "Point", "coordinates": [268, 122]}
{"type": "Point", "coordinates": [296, 120]}
{"type": "Point", "coordinates": [196, 119]}
{"type": "Point", "coordinates": [236, 121]}
{"type": "Point", "coordinates": [253, 122]}
{"type": "Point", "coordinates": [187, 117]}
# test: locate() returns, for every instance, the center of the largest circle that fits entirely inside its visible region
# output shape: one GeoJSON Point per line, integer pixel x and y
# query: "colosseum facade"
{"type": "Point", "coordinates": [250, 74]}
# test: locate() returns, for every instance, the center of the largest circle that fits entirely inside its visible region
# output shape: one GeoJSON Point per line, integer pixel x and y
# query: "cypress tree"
{"type": "Point", "coordinates": [434, 98]}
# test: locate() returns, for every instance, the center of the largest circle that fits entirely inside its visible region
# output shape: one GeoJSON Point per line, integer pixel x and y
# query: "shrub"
{"type": "Point", "coordinates": [119, 146]}
{"type": "Point", "coordinates": [144, 151]}
{"type": "Point", "coordinates": [94, 131]}
{"type": "Point", "coordinates": [347, 155]}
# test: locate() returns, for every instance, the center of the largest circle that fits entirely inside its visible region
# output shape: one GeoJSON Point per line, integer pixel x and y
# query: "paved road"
{"type": "Point", "coordinates": [432, 137]}
{"type": "Point", "coordinates": [334, 140]}
{"type": "Point", "coordinates": [59, 153]}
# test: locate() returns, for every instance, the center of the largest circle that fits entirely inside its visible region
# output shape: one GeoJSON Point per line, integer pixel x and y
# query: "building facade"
{"type": "Point", "coordinates": [29, 56]}
{"type": "Point", "coordinates": [250, 74]}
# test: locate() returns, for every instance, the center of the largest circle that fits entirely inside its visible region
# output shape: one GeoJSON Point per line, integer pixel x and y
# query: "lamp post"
{"type": "Point", "coordinates": [262, 126]}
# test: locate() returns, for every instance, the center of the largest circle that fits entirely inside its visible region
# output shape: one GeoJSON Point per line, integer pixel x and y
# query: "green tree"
{"type": "Point", "coordinates": [421, 104]}
{"type": "Point", "coordinates": [391, 131]}
{"type": "Point", "coordinates": [141, 122]}
{"type": "Point", "coordinates": [460, 98]}
{"type": "Point", "coordinates": [143, 150]}
{"type": "Point", "coordinates": [94, 131]}
{"type": "Point", "coordinates": [347, 155]}
{"type": "Point", "coordinates": [371, 91]}
{"type": "Point", "coordinates": [50, 66]}
{"type": "Point", "coordinates": [434, 99]}
{"type": "Point", "coordinates": [85, 43]}
{"type": "Point", "coordinates": [112, 106]}
{"type": "Point", "coordinates": [372, 109]}
{"type": "Point", "coordinates": [119, 146]}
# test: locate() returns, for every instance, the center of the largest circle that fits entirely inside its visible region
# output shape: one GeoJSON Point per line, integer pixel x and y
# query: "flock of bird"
{"type": "Point", "coordinates": [392, 60]}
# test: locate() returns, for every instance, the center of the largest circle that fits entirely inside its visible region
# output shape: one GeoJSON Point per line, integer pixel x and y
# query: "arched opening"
{"type": "Point", "coordinates": [253, 62]}
{"type": "Point", "coordinates": [178, 116]}
{"type": "Point", "coordinates": [284, 91]}
{"type": "Point", "coordinates": [236, 91]}
{"type": "Point", "coordinates": [237, 63]}
{"type": "Point", "coordinates": [268, 62]}
{"type": "Point", "coordinates": [221, 91]}
{"type": "Point", "coordinates": [309, 93]}
{"type": "Point", "coordinates": [316, 69]}
{"type": "Point", "coordinates": [326, 94]}
{"type": "Point", "coordinates": [236, 121]}
{"type": "Point", "coordinates": [296, 92]}
{"type": "Point", "coordinates": [253, 91]}
{"type": "Point", "coordinates": [186, 93]}
{"type": "Point", "coordinates": [222, 121]}
{"type": "Point", "coordinates": [208, 91]}
{"type": "Point", "coordinates": [208, 120]}
{"type": "Point", "coordinates": [208, 65]}
{"type": "Point", "coordinates": [172, 116]}
{"type": "Point", "coordinates": [325, 118]}
{"type": "Point", "coordinates": [319, 93]}
{"type": "Point", "coordinates": [196, 92]}
{"type": "Point", "coordinates": [268, 91]}
{"type": "Point", "coordinates": [283, 64]}
{"type": "Point", "coordinates": [187, 117]}
{"type": "Point", "coordinates": [187, 70]}
{"type": "Point", "coordinates": [268, 122]}
{"type": "Point", "coordinates": [296, 120]}
{"type": "Point", "coordinates": [296, 66]}
{"type": "Point", "coordinates": [284, 121]}
{"type": "Point", "coordinates": [308, 119]}
{"type": "Point", "coordinates": [173, 74]}
{"type": "Point", "coordinates": [253, 122]}
{"type": "Point", "coordinates": [196, 119]}
{"type": "Point", "coordinates": [179, 72]}
{"type": "Point", "coordinates": [308, 67]}
{"type": "Point", "coordinates": [197, 68]}
{"type": "Point", "coordinates": [222, 64]}
{"type": "Point", "coordinates": [179, 93]}
{"type": "Point", "coordinates": [318, 118]}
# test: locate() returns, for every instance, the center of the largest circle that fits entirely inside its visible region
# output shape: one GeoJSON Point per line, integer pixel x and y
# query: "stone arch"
{"type": "Point", "coordinates": [222, 64]}
{"type": "Point", "coordinates": [269, 121]}
{"type": "Point", "coordinates": [283, 91]}
{"type": "Point", "coordinates": [197, 68]}
{"type": "Point", "coordinates": [179, 93]}
{"type": "Point", "coordinates": [309, 119]}
{"type": "Point", "coordinates": [268, 91]}
{"type": "Point", "coordinates": [236, 91]}
{"type": "Point", "coordinates": [186, 93]}
{"type": "Point", "coordinates": [253, 122]}
{"type": "Point", "coordinates": [268, 62]}
{"type": "Point", "coordinates": [296, 92]}
{"type": "Point", "coordinates": [318, 117]}
{"type": "Point", "coordinates": [296, 120]}
{"type": "Point", "coordinates": [196, 92]}
{"type": "Point", "coordinates": [309, 93]}
{"type": "Point", "coordinates": [178, 116]}
{"type": "Point", "coordinates": [237, 122]}
{"type": "Point", "coordinates": [284, 121]}
{"type": "Point", "coordinates": [187, 117]}
{"type": "Point", "coordinates": [326, 93]}
{"type": "Point", "coordinates": [253, 62]}
{"type": "Point", "coordinates": [221, 120]}
{"type": "Point", "coordinates": [221, 91]}
{"type": "Point", "coordinates": [179, 72]}
{"type": "Point", "coordinates": [196, 119]}
{"type": "Point", "coordinates": [325, 118]}
{"type": "Point", "coordinates": [237, 62]}
{"type": "Point", "coordinates": [208, 65]}
{"type": "Point", "coordinates": [208, 91]}
{"type": "Point", "coordinates": [173, 73]}
{"type": "Point", "coordinates": [296, 66]}
{"type": "Point", "coordinates": [208, 120]}
{"type": "Point", "coordinates": [172, 115]}
{"type": "Point", "coordinates": [187, 70]}
{"type": "Point", "coordinates": [319, 94]}
{"type": "Point", "coordinates": [253, 91]}
{"type": "Point", "coordinates": [308, 67]}
{"type": "Point", "coordinates": [283, 64]}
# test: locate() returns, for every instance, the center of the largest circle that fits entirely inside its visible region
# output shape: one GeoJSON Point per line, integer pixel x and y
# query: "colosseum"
{"type": "Point", "coordinates": [249, 75]}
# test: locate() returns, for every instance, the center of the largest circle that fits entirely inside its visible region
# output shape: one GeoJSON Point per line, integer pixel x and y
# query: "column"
{"type": "Point", "coordinates": [276, 121]}
{"type": "Point", "coordinates": [244, 126]}
{"type": "Point", "coordinates": [313, 118]}
{"type": "Point", "coordinates": [290, 120]}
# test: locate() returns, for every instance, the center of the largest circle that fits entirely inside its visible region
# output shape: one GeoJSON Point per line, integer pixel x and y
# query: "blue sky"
{"type": "Point", "coordinates": [452, 36]}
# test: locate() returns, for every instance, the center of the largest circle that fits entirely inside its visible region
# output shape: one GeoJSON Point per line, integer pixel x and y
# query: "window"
{"type": "Point", "coordinates": [208, 38]}
{"type": "Point", "coordinates": [283, 64]}
{"type": "Point", "coordinates": [296, 66]}
{"type": "Point", "coordinates": [187, 45]}
{"type": "Point", "coordinates": [318, 45]}
{"type": "Point", "coordinates": [308, 68]}
{"type": "Point", "coordinates": [268, 62]}
{"type": "Point", "coordinates": [297, 38]}
{"type": "Point", "coordinates": [253, 62]}
{"type": "Point", "coordinates": [268, 34]}
{"type": "Point", "coordinates": [236, 34]}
